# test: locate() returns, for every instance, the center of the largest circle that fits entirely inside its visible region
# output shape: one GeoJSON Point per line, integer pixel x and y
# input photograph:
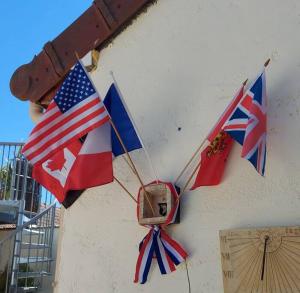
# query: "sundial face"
{"type": "Point", "coordinates": [263, 260]}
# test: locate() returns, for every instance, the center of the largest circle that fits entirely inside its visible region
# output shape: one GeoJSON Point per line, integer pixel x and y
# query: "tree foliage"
{"type": "Point", "coordinates": [5, 181]}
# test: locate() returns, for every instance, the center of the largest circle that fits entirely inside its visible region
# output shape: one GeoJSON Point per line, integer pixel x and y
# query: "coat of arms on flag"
{"type": "Point", "coordinates": [215, 155]}
{"type": "Point", "coordinates": [245, 121]}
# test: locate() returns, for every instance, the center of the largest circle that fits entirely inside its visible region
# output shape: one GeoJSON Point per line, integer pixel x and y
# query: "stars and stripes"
{"type": "Point", "coordinates": [167, 251]}
{"type": "Point", "coordinates": [75, 110]}
{"type": "Point", "coordinates": [248, 124]}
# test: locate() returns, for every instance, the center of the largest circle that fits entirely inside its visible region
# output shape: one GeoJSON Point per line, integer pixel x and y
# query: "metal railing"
{"type": "Point", "coordinates": [30, 208]}
{"type": "Point", "coordinates": [16, 182]}
{"type": "Point", "coordinates": [8, 153]}
{"type": "Point", "coordinates": [32, 255]}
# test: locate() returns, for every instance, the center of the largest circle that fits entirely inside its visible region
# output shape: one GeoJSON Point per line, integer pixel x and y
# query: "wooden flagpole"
{"type": "Point", "coordinates": [189, 180]}
{"type": "Point", "coordinates": [131, 162]}
{"type": "Point", "coordinates": [122, 144]}
{"type": "Point", "coordinates": [195, 153]}
{"type": "Point", "coordinates": [125, 189]}
{"type": "Point", "coordinates": [190, 161]}
{"type": "Point", "coordinates": [126, 161]}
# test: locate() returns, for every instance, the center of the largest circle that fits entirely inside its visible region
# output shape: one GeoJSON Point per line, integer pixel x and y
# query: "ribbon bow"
{"type": "Point", "coordinates": [166, 250]}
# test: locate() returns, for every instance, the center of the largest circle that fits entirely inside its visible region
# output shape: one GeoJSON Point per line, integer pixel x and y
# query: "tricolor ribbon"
{"type": "Point", "coordinates": [167, 251]}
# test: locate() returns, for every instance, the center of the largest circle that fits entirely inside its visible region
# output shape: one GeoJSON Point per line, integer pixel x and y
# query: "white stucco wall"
{"type": "Point", "coordinates": [178, 66]}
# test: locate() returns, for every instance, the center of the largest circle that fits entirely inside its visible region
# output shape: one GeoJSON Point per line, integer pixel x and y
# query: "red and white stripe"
{"type": "Point", "coordinates": [226, 114]}
{"type": "Point", "coordinates": [174, 247]}
{"type": "Point", "coordinates": [240, 123]}
{"type": "Point", "coordinates": [167, 264]}
{"type": "Point", "coordinates": [166, 250]}
{"type": "Point", "coordinates": [56, 129]}
{"type": "Point", "coordinates": [144, 260]}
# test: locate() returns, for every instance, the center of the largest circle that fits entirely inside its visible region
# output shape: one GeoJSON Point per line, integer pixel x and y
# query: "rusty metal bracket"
{"type": "Point", "coordinates": [95, 55]}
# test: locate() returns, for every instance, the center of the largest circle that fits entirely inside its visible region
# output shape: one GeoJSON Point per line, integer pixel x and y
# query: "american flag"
{"type": "Point", "coordinates": [248, 124]}
{"type": "Point", "coordinates": [75, 110]}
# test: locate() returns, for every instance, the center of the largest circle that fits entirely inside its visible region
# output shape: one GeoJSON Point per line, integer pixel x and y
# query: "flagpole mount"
{"type": "Point", "coordinates": [77, 56]}
{"type": "Point", "coordinates": [267, 63]}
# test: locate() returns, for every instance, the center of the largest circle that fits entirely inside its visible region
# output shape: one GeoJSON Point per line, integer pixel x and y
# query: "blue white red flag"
{"type": "Point", "coordinates": [237, 123]}
{"type": "Point", "coordinates": [166, 250]}
{"type": "Point", "coordinates": [120, 117]}
{"type": "Point", "coordinates": [75, 110]}
{"type": "Point", "coordinates": [248, 124]}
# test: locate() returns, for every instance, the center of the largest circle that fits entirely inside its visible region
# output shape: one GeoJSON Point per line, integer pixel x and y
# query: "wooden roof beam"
{"type": "Point", "coordinates": [102, 21]}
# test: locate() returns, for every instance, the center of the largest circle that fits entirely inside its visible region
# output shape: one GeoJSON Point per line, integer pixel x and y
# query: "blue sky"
{"type": "Point", "coordinates": [25, 26]}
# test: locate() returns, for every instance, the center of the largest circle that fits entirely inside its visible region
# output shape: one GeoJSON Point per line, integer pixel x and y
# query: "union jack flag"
{"type": "Point", "coordinates": [75, 110]}
{"type": "Point", "coordinates": [226, 114]}
{"type": "Point", "coordinates": [248, 124]}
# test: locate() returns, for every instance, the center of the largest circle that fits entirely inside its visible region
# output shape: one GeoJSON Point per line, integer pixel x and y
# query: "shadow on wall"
{"type": "Point", "coordinates": [283, 113]}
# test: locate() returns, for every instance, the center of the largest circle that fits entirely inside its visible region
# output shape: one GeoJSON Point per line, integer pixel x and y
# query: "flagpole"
{"type": "Point", "coordinates": [199, 148]}
{"type": "Point", "coordinates": [125, 189]}
{"type": "Point", "coordinates": [190, 161]}
{"type": "Point", "coordinates": [267, 63]}
{"type": "Point", "coordinates": [131, 162]}
{"type": "Point", "coordinates": [154, 171]}
{"type": "Point", "coordinates": [189, 180]}
{"type": "Point", "coordinates": [197, 151]}
{"type": "Point", "coordinates": [120, 140]}
{"type": "Point", "coordinates": [126, 161]}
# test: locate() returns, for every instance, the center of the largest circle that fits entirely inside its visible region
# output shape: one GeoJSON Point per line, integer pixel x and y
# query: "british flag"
{"type": "Point", "coordinates": [248, 124]}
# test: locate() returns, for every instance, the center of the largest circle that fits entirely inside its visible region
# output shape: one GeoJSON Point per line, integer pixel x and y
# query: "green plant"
{"type": "Point", "coordinates": [24, 268]}
{"type": "Point", "coordinates": [5, 181]}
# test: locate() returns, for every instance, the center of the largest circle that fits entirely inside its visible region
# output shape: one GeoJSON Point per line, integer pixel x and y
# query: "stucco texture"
{"type": "Point", "coordinates": [178, 67]}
